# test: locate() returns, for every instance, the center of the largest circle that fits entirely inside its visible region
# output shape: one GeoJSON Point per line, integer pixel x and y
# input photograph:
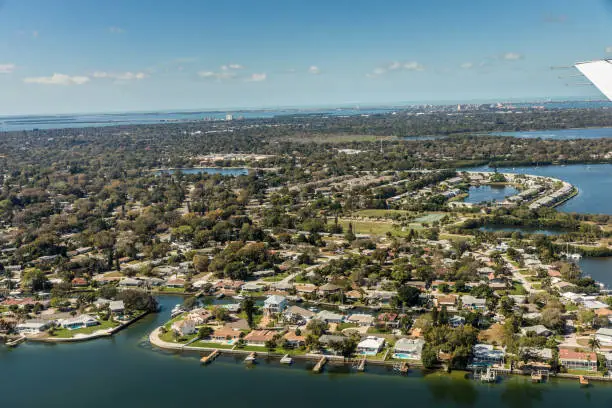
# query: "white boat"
{"type": "Point", "coordinates": [238, 297]}
{"type": "Point", "coordinates": [286, 359]}
{"type": "Point", "coordinates": [346, 307]}
{"type": "Point", "coordinates": [177, 310]}
{"type": "Point", "coordinates": [313, 309]}
{"type": "Point", "coordinates": [220, 296]}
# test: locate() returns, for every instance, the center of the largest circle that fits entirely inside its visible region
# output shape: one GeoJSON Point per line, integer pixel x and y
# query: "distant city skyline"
{"type": "Point", "coordinates": [110, 56]}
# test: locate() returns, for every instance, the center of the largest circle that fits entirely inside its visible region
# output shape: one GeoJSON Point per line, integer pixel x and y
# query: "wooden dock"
{"type": "Point", "coordinates": [362, 364]}
{"type": "Point", "coordinates": [210, 358]}
{"type": "Point", "coordinates": [16, 342]}
{"type": "Point", "coordinates": [319, 366]}
{"type": "Point", "coordinates": [404, 368]}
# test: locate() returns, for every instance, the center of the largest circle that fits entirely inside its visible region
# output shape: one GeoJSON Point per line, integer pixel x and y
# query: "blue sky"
{"type": "Point", "coordinates": [69, 56]}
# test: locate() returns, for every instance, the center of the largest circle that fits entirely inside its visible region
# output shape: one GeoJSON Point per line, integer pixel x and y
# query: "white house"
{"type": "Point", "coordinates": [116, 306]}
{"type": "Point", "coordinates": [408, 349]}
{"type": "Point", "coordinates": [371, 345]}
{"type": "Point", "coordinates": [184, 327]}
{"type": "Point", "coordinates": [329, 317]}
{"type": "Point", "coordinates": [33, 326]}
{"type": "Point", "coordinates": [604, 336]}
{"type": "Point", "coordinates": [275, 304]}
{"type": "Point", "coordinates": [487, 354]}
{"type": "Point", "coordinates": [79, 322]}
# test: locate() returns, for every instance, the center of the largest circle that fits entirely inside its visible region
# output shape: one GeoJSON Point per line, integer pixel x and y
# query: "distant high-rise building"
{"type": "Point", "coordinates": [599, 73]}
{"type": "Point", "coordinates": [229, 117]}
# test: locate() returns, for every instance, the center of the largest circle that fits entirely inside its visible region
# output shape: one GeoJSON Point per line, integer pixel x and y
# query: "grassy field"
{"type": "Point", "coordinates": [429, 218]}
{"type": "Point", "coordinates": [66, 334]}
{"type": "Point", "coordinates": [380, 213]}
{"type": "Point", "coordinates": [373, 228]}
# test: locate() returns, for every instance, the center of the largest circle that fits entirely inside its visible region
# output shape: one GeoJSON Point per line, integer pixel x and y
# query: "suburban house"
{"type": "Point", "coordinates": [294, 340]}
{"type": "Point", "coordinates": [329, 317]}
{"type": "Point", "coordinates": [539, 330]}
{"type": "Point", "coordinates": [184, 327]}
{"type": "Point", "coordinates": [176, 283]}
{"type": "Point", "coordinates": [79, 282]}
{"type": "Point", "coordinates": [456, 321]}
{"type": "Point", "coordinates": [327, 339]}
{"type": "Point", "coordinates": [225, 333]}
{"type": "Point", "coordinates": [364, 320]}
{"type": "Point", "coordinates": [305, 289]}
{"type": "Point", "coordinates": [328, 289]}
{"type": "Point", "coordinates": [130, 283]}
{"type": "Point", "coordinates": [79, 322]}
{"type": "Point", "coordinates": [370, 345]}
{"type": "Point", "coordinates": [486, 354]}
{"type": "Point", "coordinates": [604, 336]}
{"type": "Point", "coordinates": [200, 316]}
{"type": "Point", "coordinates": [253, 287]}
{"type": "Point", "coordinates": [259, 337]}
{"type": "Point", "coordinates": [296, 314]}
{"type": "Point", "coordinates": [471, 302]}
{"type": "Point", "coordinates": [575, 360]}
{"type": "Point", "coordinates": [409, 349]}
{"type": "Point", "coordinates": [116, 306]}
{"type": "Point", "coordinates": [391, 320]}
{"type": "Point", "coordinates": [33, 326]}
{"type": "Point", "coordinates": [275, 304]}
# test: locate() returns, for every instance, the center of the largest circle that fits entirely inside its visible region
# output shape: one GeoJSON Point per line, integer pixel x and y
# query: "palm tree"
{"type": "Point", "coordinates": [594, 343]}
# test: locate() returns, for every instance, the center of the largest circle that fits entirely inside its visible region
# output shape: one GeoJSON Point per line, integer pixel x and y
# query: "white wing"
{"type": "Point", "coordinates": [599, 73]}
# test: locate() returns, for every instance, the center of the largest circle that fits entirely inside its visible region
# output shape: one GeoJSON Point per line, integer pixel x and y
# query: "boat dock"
{"type": "Point", "coordinates": [211, 357]}
{"type": "Point", "coordinates": [16, 342]}
{"type": "Point", "coordinates": [583, 381]}
{"type": "Point", "coordinates": [286, 359]}
{"type": "Point", "coordinates": [362, 364]}
{"type": "Point", "coordinates": [319, 366]}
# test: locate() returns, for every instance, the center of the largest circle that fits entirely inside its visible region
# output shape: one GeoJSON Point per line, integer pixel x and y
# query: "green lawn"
{"type": "Point", "coordinates": [205, 344]}
{"type": "Point", "coordinates": [429, 218]}
{"type": "Point", "coordinates": [517, 289]}
{"type": "Point", "coordinates": [374, 228]}
{"type": "Point", "coordinates": [66, 334]}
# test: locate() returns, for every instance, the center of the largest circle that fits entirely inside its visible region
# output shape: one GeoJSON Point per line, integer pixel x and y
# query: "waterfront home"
{"type": "Point", "coordinates": [253, 287]}
{"type": "Point", "coordinates": [79, 322]}
{"type": "Point", "coordinates": [471, 302]}
{"type": "Point", "coordinates": [363, 320]}
{"type": "Point", "coordinates": [232, 307]}
{"type": "Point", "coordinates": [327, 339]}
{"type": "Point", "coordinates": [176, 283]}
{"type": "Point", "coordinates": [101, 302]}
{"type": "Point", "coordinates": [329, 289]}
{"type": "Point", "coordinates": [298, 315]}
{"type": "Point", "coordinates": [329, 317]}
{"type": "Point", "coordinates": [370, 345]}
{"type": "Point", "coordinates": [446, 300]}
{"type": "Point", "coordinates": [604, 336]}
{"type": "Point", "coordinates": [306, 289]}
{"type": "Point", "coordinates": [537, 353]}
{"type": "Point", "coordinates": [259, 337]}
{"type": "Point", "coordinates": [275, 304]}
{"type": "Point", "coordinates": [33, 326]}
{"type": "Point", "coordinates": [200, 316]}
{"type": "Point", "coordinates": [293, 340]}
{"type": "Point", "coordinates": [184, 327]}
{"type": "Point", "coordinates": [486, 354]}
{"type": "Point", "coordinates": [608, 357]}
{"type": "Point", "coordinates": [575, 360]}
{"type": "Point", "coordinates": [538, 330]}
{"type": "Point", "coordinates": [353, 296]}
{"type": "Point", "coordinates": [130, 283]}
{"type": "Point", "coordinates": [409, 349]}
{"type": "Point", "coordinates": [238, 324]}
{"type": "Point", "coordinates": [223, 334]}
{"type": "Point", "coordinates": [117, 307]}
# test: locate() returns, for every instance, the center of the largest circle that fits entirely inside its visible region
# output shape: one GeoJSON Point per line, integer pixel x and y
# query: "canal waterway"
{"type": "Point", "coordinates": [125, 371]}
{"type": "Point", "coordinates": [593, 181]}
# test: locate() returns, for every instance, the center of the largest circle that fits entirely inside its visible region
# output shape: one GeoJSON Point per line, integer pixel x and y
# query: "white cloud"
{"type": "Point", "coordinates": [609, 49]}
{"type": "Point", "coordinates": [314, 70]}
{"type": "Point", "coordinates": [467, 65]}
{"type": "Point", "coordinates": [58, 79]}
{"type": "Point", "coordinates": [116, 30]}
{"type": "Point", "coordinates": [236, 66]}
{"type": "Point", "coordinates": [35, 34]}
{"type": "Point", "coordinates": [413, 66]}
{"type": "Point", "coordinates": [512, 56]}
{"type": "Point", "coordinates": [7, 68]}
{"type": "Point", "coordinates": [216, 75]}
{"type": "Point", "coordinates": [396, 66]}
{"type": "Point", "coordinates": [258, 77]}
{"type": "Point", "coordinates": [121, 76]}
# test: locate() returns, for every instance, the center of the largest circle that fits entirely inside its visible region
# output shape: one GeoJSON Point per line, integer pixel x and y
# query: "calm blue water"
{"type": "Point", "coordinates": [561, 134]}
{"type": "Point", "coordinates": [594, 182]}
{"type": "Point", "coordinates": [479, 194]}
{"type": "Point", "coordinates": [599, 269]}
{"type": "Point", "coordinates": [16, 123]}
{"type": "Point", "coordinates": [124, 371]}
{"type": "Point", "coordinates": [237, 171]}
